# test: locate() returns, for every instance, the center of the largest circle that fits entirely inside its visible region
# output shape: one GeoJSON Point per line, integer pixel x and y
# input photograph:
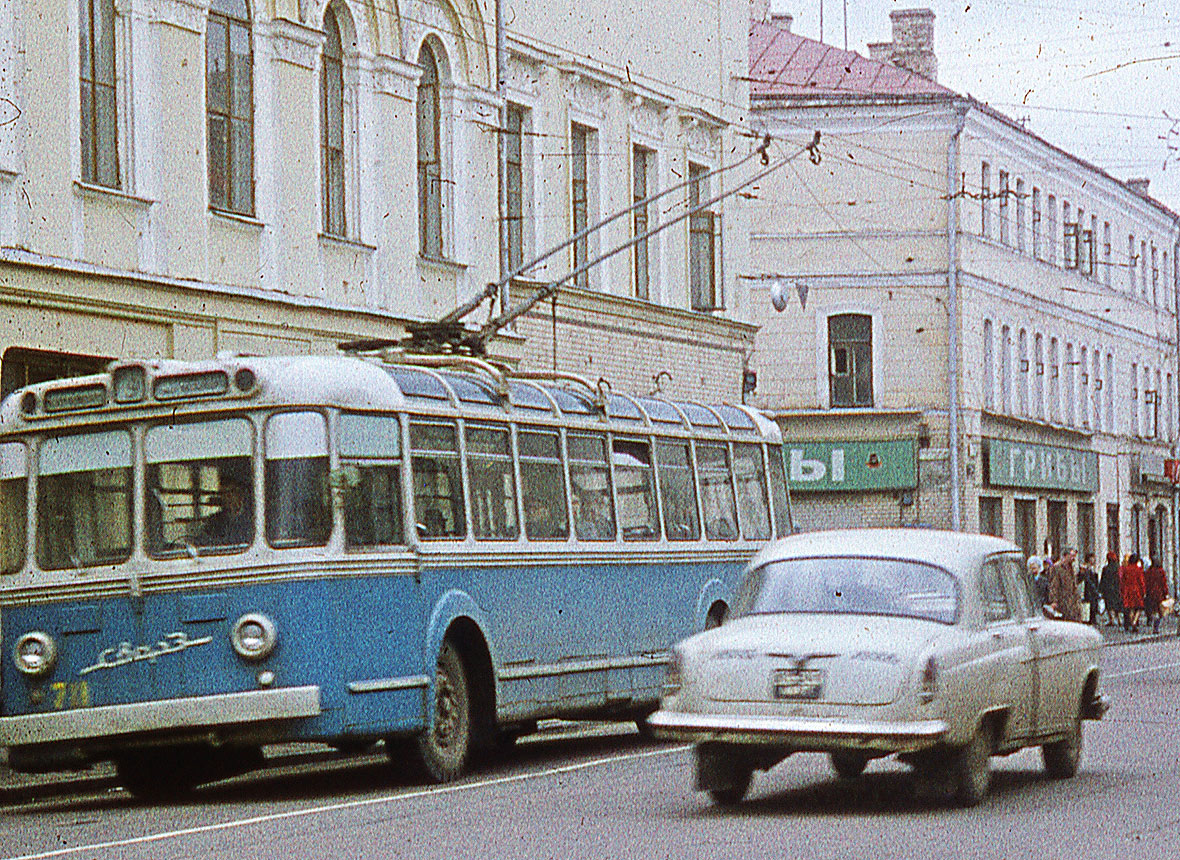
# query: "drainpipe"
{"type": "Point", "coordinates": [952, 280]}
{"type": "Point", "coordinates": [501, 179]}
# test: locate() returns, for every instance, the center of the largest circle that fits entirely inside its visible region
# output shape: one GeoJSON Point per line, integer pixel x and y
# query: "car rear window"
{"type": "Point", "coordinates": [851, 586]}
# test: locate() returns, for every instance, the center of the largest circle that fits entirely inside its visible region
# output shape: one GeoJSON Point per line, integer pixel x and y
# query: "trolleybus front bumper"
{"type": "Point", "coordinates": [111, 721]}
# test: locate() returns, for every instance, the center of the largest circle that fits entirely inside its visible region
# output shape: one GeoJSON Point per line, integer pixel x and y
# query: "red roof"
{"type": "Point", "coordinates": [784, 64]}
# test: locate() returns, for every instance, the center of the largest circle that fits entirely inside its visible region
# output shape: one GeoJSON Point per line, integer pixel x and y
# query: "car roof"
{"type": "Point", "coordinates": [956, 551]}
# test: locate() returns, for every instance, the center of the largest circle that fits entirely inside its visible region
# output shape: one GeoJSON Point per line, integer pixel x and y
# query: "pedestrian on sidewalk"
{"type": "Point", "coordinates": [1155, 592]}
{"type": "Point", "coordinates": [1036, 575]}
{"type": "Point", "coordinates": [1131, 579]}
{"type": "Point", "coordinates": [1108, 584]}
{"type": "Point", "coordinates": [1063, 587]}
{"type": "Point", "coordinates": [1088, 579]}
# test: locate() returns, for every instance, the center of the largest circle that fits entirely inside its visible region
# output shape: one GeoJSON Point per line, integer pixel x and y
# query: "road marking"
{"type": "Point", "coordinates": [352, 804]}
{"type": "Point", "coordinates": [1141, 671]}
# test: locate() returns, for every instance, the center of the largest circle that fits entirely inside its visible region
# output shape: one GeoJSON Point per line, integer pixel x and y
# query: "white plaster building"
{"type": "Point", "coordinates": [180, 177]}
{"type": "Point", "coordinates": [989, 335]}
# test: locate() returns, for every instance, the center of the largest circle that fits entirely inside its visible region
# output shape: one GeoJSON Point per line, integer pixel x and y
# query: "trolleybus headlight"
{"type": "Point", "coordinates": [35, 654]}
{"type": "Point", "coordinates": [28, 403]}
{"type": "Point", "coordinates": [254, 636]}
{"type": "Point", "coordinates": [244, 379]}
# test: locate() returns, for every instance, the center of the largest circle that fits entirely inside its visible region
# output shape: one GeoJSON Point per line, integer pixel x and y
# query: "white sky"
{"type": "Point", "coordinates": [1094, 77]}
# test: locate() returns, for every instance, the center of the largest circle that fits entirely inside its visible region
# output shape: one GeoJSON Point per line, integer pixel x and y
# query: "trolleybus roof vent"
{"type": "Point", "coordinates": [417, 383]}
{"type": "Point", "coordinates": [528, 396]}
{"type": "Point", "coordinates": [736, 418]}
{"type": "Point", "coordinates": [470, 390]}
{"type": "Point", "coordinates": [661, 411]}
{"type": "Point", "coordinates": [699, 415]}
{"type": "Point", "coordinates": [618, 406]}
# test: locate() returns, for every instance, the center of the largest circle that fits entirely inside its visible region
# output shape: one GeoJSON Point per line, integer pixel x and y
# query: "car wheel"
{"type": "Point", "coordinates": [1063, 757]}
{"type": "Point", "coordinates": [848, 764]}
{"type": "Point", "coordinates": [971, 768]}
{"type": "Point", "coordinates": [733, 794]}
{"type": "Point", "coordinates": [440, 753]}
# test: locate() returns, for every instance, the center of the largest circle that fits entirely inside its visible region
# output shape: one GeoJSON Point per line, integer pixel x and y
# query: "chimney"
{"type": "Point", "coordinates": [782, 20]}
{"type": "Point", "coordinates": [1139, 185]}
{"type": "Point", "coordinates": [913, 42]}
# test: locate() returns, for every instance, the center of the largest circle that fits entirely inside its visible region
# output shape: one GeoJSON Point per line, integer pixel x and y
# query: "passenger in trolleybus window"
{"type": "Point", "coordinates": [591, 518]}
{"type": "Point", "coordinates": [233, 523]}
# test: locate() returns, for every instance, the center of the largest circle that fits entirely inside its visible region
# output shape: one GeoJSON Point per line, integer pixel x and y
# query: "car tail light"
{"type": "Point", "coordinates": [674, 675]}
{"type": "Point", "coordinates": [929, 686]}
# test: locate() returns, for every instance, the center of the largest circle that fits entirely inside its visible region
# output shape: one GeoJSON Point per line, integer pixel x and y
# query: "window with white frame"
{"type": "Point", "coordinates": [1020, 195]}
{"type": "Point", "coordinates": [1036, 222]}
{"type": "Point", "coordinates": [1169, 414]}
{"type": "Point", "coordinates": [1054, 382]}
{"type": "Point", "coordinates": [1051, 230]}
{"type": "Point", "coordinates": [99, 104]}
{"type": "Point", "coordinates": [1108, 386]}
{"type": "Point", "coordinates": [985, 194]}
{"type": "Point", "coordinates": [702, 243]}
{"type": "Point", "coordinates": [642, 187]}
{"type": "Point", "coordinates": [1155, 276]}
{"type": "Point", "coordinates": [1004, 209]}
{"type": "Point", "coordinates": [229, 106]}
{"type": "Point", "coordinates": [1132, 282]}
{"type": "Point", "coordinates": [1039, 375]}
{"type": "Point", "coordinates": [1135, 428]}
{"type": "Point", "coordinates": [580, 142]}
{"type": "Point", "coordinates": [1083, 393]}
{"type": "Point", "coordinates": [1006, 370]}
{"type": "Point", "coordinates": [988, 379]}
{"type": "Point", "coordinates": [1070, 385]}
{"type": "Point", "coordinates": [1096, 383]}
{"type": "Point", "coordinates": [1022, 386]}
{"type": "Point", "coordinates": [1157, 392]}
{"type": "Point", "coordinates": [430, 155]}
{"type": "Point", "coordinates": [517, 119]}
{"type": "Point", "coordinates": [1106, 253]}
{"type": "Point", "coordinates": [1092, 248]}
{"type": "Point", "coordinates": [1069, 236]}
{"type": "Point", "coordinates": [1143, 268]}
{"type": "Point", "coordinates": [332, 127]}
{"type": "Point", "coordinates": [850, 357]}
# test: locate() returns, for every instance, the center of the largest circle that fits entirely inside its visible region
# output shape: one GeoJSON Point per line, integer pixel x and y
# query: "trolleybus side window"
{"type": "Point", "coordinates": [14, 472]}
{"type": "Point", "coordinates": [199, 486]}
{"type": "Point", "coordinates": [778, 491]}
{"type": "Point", "coordinates": [438, 486]}
{"type": "Point", "coordinates": [717, 491]}
{"type": "Point", "coordinates": [753, 511]}
{"type": "Point", "coordinates": [678, 490]}
{"type": "Point", "coordinates": [593, 515]}
{"type": "Point", "coordinates": [370, 454]}
{"type": "Point", "coordinates": [542, 481]}
{"type": "Point", "coordinates": [298, 507]}
{"type": "Point", "coordinates": [635, 484]}
{"type": "Point", "coordinates": [84, 500]}
{"type": "Point", "coordinates": [492, 483]}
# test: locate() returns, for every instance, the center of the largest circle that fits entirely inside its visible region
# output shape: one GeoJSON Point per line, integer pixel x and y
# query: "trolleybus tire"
{"type": "Point", "coordinates": [440, 753]}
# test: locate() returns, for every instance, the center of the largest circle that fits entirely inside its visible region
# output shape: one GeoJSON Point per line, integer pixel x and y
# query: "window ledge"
{"type": "Point", "coordinates": [101, 192]}
{"type": "Point", "coordinates": [236, 219]}
{"type": "Point", "coordinates": [440, 263]}
{"type": "Point", "coordinates": [345, 242]}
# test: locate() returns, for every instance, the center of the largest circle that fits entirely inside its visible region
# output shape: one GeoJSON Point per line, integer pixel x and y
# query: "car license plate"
{"type": "Point", "coordinates": [798, 683]}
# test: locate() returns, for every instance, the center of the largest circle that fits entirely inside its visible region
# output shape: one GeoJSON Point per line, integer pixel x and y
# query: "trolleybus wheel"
{"type": "Point", "coordinates": [440, 753]}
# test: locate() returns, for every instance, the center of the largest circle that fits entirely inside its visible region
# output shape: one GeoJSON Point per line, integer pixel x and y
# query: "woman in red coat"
{"type": "Point", "coordinates": [1155, 591]}
{"type": "Point", "coordinates": [1131, 580]}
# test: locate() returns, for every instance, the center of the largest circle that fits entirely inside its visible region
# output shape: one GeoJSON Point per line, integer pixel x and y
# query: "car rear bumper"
{"type": "Point", "coordinates": [799, 733]}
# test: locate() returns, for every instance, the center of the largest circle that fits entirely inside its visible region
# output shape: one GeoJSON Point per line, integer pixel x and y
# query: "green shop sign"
{"type": "Point", "coordinates": [1019, 464]}
{"type": "Point", "coordinates": [831, 466]}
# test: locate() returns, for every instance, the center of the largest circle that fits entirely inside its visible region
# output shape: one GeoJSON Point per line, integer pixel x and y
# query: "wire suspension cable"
{"type": "Point", "coordinates": [489, 330]}
{"type": "Point", "coordinates": [493, 289]}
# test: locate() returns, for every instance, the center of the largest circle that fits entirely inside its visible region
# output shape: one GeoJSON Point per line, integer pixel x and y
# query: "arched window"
{"type": "Point", "coordinates": [332, 127]}
{"type": "Point", "coordinates": [850, 357]}
{"type": "Point", "coordinates": [430, 232]}
{"type": "Point", "coordinates": [96, 71]}
{"type": "Point", "coordinates": [1006, 370]}
{"type": "Point", "coordinates": [229, 106]}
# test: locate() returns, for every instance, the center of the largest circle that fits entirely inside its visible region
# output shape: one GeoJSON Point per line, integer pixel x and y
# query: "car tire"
{"type": "Point", "coordinates": [733, 794]}
{"type": "Point", "coordinates": [971, 768]}
{"type": "Point", "coordinates": [440, 753]}
{"type": "Point", "coordinates": [1063, 757]}
{"type": "Point", "coordinates": [848, 764]}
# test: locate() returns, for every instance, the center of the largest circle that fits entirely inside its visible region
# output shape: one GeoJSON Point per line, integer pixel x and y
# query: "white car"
{"type": "Point", "coordinates": [866, 643]}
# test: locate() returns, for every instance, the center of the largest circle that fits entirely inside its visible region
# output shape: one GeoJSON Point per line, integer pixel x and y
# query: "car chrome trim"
{"type": "Point", "coordinates": [112, 720]}
{"type": "Point", "coordinates": [382, 685]}
{"type": "Point", "coordinates": [573, 667]}
{"type": "Point", "coordinates": [811, 732]}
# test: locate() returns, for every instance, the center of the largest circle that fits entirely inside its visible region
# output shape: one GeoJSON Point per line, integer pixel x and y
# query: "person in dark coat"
{"type": "Point", "coordinates": [1131, 582]}
{"type": "Point", "coordinates": [1088, 579]}
{"type": "Point", "coordinates": [1063, 588]}
{"type": "Point", "coordinates": [1108, 584]}
{"type": "Point", "coordinates": [1155, 591]}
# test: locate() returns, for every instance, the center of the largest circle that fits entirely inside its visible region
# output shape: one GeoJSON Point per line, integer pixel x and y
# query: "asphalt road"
{"type": "Point", "coordinates": [609, 794]}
